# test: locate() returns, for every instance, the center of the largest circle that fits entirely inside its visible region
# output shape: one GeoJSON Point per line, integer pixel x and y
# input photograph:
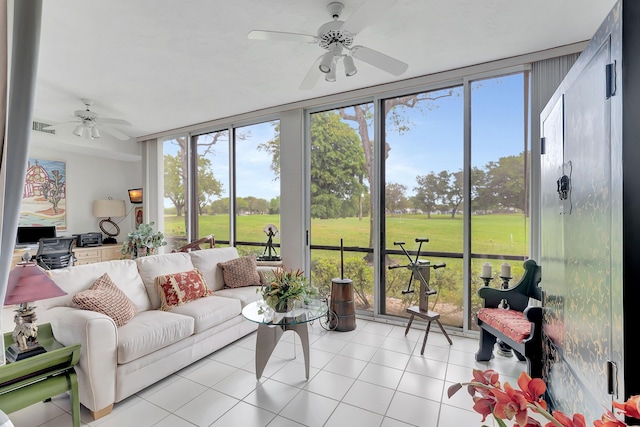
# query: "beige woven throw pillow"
{"type": "Point", "coordinates": [106, 298]}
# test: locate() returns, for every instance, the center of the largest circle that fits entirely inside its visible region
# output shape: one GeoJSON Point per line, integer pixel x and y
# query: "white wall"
{"type": "Point", "coordinates": [94, 170]}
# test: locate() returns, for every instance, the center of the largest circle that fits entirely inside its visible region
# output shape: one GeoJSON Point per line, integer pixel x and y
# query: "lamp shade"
{"type": "Point", "coordinates": [108, 208]}
{"type": "Point", "coordinates": [135, 195]}
{"type": "Point", "coordinates": [27, 283]}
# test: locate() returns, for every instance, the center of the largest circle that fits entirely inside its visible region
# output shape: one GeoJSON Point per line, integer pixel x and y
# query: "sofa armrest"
{"type": "Point", "coordinates": [97, 335]}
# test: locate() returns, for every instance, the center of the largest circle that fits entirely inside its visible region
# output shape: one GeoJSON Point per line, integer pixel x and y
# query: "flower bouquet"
{"type": "Point", "coordinates": [284, 288]}
{"type": "Point", "coordinates": [507, 403]}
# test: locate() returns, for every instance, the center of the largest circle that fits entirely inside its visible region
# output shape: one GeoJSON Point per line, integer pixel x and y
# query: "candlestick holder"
{"type": "Point", "coordinates": [487, 280]}
{"type": "Point", "coordinates": [503, 349]}
{"type": "Point", "coordinates": [505, 281]}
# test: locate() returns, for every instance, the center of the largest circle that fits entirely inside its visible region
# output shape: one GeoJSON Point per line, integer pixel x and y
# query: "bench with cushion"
{"type": "Point", "coordinates": [519, 325]}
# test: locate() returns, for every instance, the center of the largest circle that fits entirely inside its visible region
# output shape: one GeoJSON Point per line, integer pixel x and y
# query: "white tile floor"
{"type": "Point", "coordinates": [371, 376]}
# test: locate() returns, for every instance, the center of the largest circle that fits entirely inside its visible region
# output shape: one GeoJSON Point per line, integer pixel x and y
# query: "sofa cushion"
{"type": "Point", "coordinates": [512, 323]}
{"type": "Point", "coordinates": [206, 260]}
{"type": "Point", "coordinates": [178, 288]}
{"type": "Point", "coordinates": [124, 273]}
{"type": "Point", "coordinates": [106, 298]}
{"type": "Point", "coordinates": [246, 295]}
{"type": "Point", "coordinates": [209, 311]}
{"type": "Point", "coordinates": [153, 266]}
{"type": "Point", "coordinates": [240, 272]}
{"type": "Point", "coordinates": [150, 331]}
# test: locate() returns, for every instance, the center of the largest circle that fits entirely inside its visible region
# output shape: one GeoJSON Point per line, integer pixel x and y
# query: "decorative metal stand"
{"type": "Point", "coordinates": [421, 270]}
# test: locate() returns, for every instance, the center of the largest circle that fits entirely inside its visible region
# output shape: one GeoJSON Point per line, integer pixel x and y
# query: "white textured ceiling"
{"type": "Point", "coordinates": [164, 64]}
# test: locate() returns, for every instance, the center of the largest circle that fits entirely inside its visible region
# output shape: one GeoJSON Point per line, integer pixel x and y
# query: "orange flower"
{"type": "Point", "coordinates": [488, 377]}
{"type": "Point", "coordinates": [484, 406]}
{"type": "Point", "coordinates": [510, 404]}
{"type": "Point", "coordinates": [609, 419]}
{"type": "Point", "coordinates": [630, 408]}
{"type": "Point", "coordinates": [577, 420]}
{"type": "Point", "coordinates": [532, 389]}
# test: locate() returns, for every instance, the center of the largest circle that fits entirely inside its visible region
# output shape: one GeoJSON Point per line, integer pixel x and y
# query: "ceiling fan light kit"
{"type": "Point", "coordinates": [88, 123]}
{"type": "Point", "coordinates": [337, 36]}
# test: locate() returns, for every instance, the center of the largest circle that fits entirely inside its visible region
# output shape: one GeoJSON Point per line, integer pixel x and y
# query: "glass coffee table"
{"type": "Point", "coordinates": [272, 325]}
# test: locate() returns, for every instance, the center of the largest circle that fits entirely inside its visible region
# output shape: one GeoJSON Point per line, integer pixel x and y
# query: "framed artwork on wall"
{"type": "Point", "coordinates": [44, 198]}
{"type": "Point", "coordinates": [139, 216]}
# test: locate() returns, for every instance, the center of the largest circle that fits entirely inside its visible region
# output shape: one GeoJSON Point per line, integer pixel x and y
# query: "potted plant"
{"type": "Point", "coordinates": [284, 288]}
{"type": "Point", "coordinates": [142, 241]}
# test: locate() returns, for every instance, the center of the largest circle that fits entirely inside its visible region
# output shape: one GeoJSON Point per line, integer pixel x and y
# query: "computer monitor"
{"type": "Point", "coordinates": [29, 236]}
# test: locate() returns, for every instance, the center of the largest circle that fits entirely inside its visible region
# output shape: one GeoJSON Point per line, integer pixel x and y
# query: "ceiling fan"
{"type": "Point", "coordinates": [90, 124]}
{"type": "Point", "coordinates": [337, 38]}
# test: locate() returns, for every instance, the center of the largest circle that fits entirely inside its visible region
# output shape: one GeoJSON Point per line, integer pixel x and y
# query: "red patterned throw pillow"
{"type": "Point", "coordinates": [178, 288]}
{"type": "Point", "coordinates": [240, 272]}
{"type": "Point", "coordinates": [106, 298]}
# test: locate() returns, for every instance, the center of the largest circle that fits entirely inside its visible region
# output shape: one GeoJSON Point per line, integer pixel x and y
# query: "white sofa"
{"type": "Point", "coordinates": [116, 362]}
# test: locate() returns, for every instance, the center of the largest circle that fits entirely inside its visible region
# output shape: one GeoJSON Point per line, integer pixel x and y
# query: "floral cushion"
{"type": "Point", "coordinates": [240, 272]}
{"type": "Point", "coordinates": [511, 323]}
{"type": "Point", "coordinates": [178, 288]}
{"type": "Point", "coordinates": [106, 298]}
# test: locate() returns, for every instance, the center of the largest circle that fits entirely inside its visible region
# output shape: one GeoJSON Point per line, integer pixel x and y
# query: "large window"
{"type": "Point", "coordinates": [448, 188]}
{"type": "Point", "coordinates": [499, 179]}
{"type": "Point", "coordinates": [423, 199]}
{"type": "Point", "coordinates": [175, 162]}
{"type": "Point", "coordinates": [212, 185]}
{"type": "Point", "coordinates": [228, 188]}
{"type": "Point", "coordinates": [257, 186]}
{"type": "Point", "coordinates": [341, 161]}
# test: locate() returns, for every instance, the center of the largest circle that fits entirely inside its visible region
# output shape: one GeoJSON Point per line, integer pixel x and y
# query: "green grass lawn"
{"type": "Point", "coordinates": [504, 234]}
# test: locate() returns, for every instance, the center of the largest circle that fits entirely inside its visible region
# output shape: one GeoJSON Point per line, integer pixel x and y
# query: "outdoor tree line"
{"type": "Point", "coordinates": [340, 180]}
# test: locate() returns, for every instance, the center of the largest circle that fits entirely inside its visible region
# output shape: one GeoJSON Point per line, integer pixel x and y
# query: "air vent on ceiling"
{"type": "Point", "coordinates": [40, 127]}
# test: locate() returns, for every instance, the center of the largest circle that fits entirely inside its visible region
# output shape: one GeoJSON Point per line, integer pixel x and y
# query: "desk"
{"type": "Point", "coordinates": [41, 377]}
{"type": "Point", "coordinates": [272, 325]}
{"type": "Point", "coordinates": [85, 255]}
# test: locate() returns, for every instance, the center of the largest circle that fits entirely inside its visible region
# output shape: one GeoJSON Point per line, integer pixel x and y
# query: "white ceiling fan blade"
{"type": "Point", "coordinates": [366, 14]}
{"type": "Point", "coordinates": [280, 36]}
{"type": "Point", "coordinates": [380, 60]}
{"type": "Point", "coordinates": [312, 76]}
{"type": "Point", "coordinates": [115, 121]}
{"type": "Point", "coordinates": [113, 131]}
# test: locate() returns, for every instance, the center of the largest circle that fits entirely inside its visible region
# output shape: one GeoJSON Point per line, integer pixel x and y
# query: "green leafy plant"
{"type": "Point", "coordinates": [283, 287]}
{"type": "Point", "coordinates": [142, 241]}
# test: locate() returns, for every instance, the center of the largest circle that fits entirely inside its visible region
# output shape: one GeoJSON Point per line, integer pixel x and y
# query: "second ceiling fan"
{"type": "Point", "coordinates": [337, 38]}
{"type": "Point", "coordinates": [89, 123]}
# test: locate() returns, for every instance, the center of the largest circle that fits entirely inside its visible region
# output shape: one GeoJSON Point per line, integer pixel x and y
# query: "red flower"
{"type": "Point", "coordinates": [609, 419]}
{"type": "Point", "coordinates": [630, 407]}
{"type": "Point", "coordinates": [532, 389]}
{"type": "Point", "coordinates": [488, 377]}
{"type": "Point", "coordinates": [577, 420]}
{"type": "Point", "coordinates": [510, 404]}
{"type": "Point", "coordinates": [484, 406]}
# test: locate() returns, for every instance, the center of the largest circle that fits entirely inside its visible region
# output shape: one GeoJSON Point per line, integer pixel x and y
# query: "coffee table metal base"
{"type": "Point", "coordinates": [268, 337]}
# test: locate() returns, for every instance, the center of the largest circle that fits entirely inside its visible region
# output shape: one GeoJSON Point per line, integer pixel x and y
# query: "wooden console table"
{"type": "Point", "coordinates": [29, 381]}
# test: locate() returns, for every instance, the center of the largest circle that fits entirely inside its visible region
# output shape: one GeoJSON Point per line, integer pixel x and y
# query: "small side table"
{"type": "Point", "coordinates": [272, 325]}
{"type": "Point", "coordinates": [29, 381]}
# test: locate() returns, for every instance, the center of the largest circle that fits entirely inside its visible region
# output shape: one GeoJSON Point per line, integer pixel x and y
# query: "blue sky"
{"type": "Point", "coordinates": [433, 143]}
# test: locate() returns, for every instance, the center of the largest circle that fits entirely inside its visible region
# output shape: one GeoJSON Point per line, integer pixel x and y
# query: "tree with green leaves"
{"type": "Point", "coordinates": [394, 198]}
{"type": "Point", "coordinates": [336, 178]}
{"type": "Point", "coordinates": [427, 193]}
{"type": "Point", "coordinates": [174, 179]}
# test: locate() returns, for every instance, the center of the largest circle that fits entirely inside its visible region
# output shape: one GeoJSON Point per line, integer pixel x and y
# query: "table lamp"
{"type": "Point", "coordinates": [27, 283]}
{"type": "Point", "coordinates": [106, 209]}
